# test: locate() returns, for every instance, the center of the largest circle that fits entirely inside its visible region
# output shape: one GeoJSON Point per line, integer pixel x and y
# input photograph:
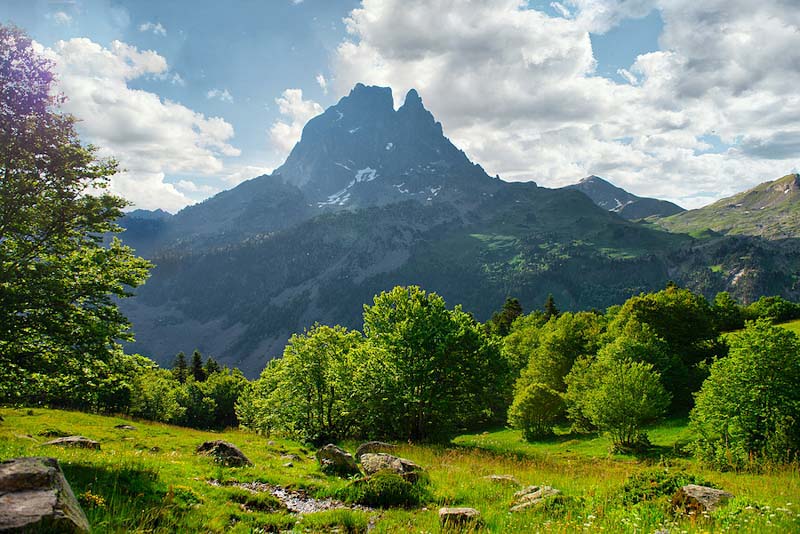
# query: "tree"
{"type": "Point", "coordinates": [500, 323]}
{"type": "Point", "coordinates": [179, 368]}
{"type": "Point", "coordinates": [445, 372]}
{"type": "Point", "coordinates": [535, 410]}
{"type": "Point", "coordinates": [58, 281]}
{"type": "Point", "coordinates": [627, 396]}
{"type": "Point", "coordinates": [748, 409]}
{"type": "Point", "coordinates": [211, 366]}
{"type": "Point", "coordinates": [198, 372]}
{"type": "Point", "coordinates": [550, 309]}
{"type": "Point", "coordinates": [728, 314]}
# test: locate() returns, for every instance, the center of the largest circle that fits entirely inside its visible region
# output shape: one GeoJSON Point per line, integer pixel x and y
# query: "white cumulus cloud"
{"type": "Point", "coordinates": [297, 112]}
{"type": "Point", "coordinates": [149, 136]}
{"type": "Point", "coordinates": [154, 27]}
{"type": "Point", "coordinates": [223, 95]}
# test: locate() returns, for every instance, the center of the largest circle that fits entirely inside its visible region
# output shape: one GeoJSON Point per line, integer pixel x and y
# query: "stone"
{"type": "Point", "coordinates": [288, 464]}
{"type": "Point", "coordinates": [225, 453]}
{"type": "Point", "coordinates": [531, 496]}
{"type": "Point", "coordinates": [698, 499]}
{"type": "Point", "coordinates": [502, 479]}
{"type": "Point", "coordinates": [336, 461]}
{"type": "Point", "coordinates": [35, 497]}
{"type": "Point", "coordinates": [459, 517]}
{"type": "Point", "coordinates": [75, 441]}
{"type": "Point", "coordinates": [125, 427]}
{"type": "Point", "coordinates": [290, 457]}
{"type": "Point", "coordinates": [374, 462]}
{"type": "Point", "coordinates": [373, 447]}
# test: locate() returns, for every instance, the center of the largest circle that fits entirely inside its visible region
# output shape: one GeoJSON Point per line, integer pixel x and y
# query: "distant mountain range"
{"type": "Point", "coordinates": [372, 197]}
{"type": "Point", "coordinates": [627, 205]}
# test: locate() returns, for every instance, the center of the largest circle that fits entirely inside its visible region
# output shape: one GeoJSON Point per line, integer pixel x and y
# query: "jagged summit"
{"type": "Point", "coordinates": [362, 152]}
{"type": "Point", "coordinates": [613, 198]}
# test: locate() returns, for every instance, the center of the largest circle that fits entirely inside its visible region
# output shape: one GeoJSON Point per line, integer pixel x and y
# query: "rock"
{"type": "Point", "coordinates": [372, 463]}
{"type": "Point", "coordinates": [698, 499]}
{"type": "Point", "coordinates": [125, 427]}
{"type": "Point", "coordinates": [459, 517]}
{"type": "Point", "coordinates": [373, 447]}
{"type": "Point", "coordinates": [35, 497]}
{"type": "Point", "coordinates": [225, 453]}
{"type": "Point", "coordinates": [288, 464]}
{"type": "Point", "coordinates": [531, 496]}
{"type": "Point", "coordinates": [502, 479]}
{"type": "Point", "coordinates": [290, 457]}
{"type": "Point", "coordinates": [336, 461]}
{"type": "Point", "coordinates": [52, 433]}
{"type": "Point", "coordinates": [75, 441]}
{"type": "Point", "coordinates": [271, 443]}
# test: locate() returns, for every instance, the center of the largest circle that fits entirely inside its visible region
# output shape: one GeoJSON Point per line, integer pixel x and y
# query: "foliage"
{"type": "Point", "coordinates": [58, 281]}
{"type": "Point", "coordinates": [728, 314]}
{"type": "Point", "coordinates": [445, 373]}
{"type": "Point", "coordinates": [560, 342]}
{"type": "Point", "coordinates": [500, 323]}
{"type": "Point", "coordinates": [774, 308]}
{"type": "Point", "coordinates": [550, 309]}
{"type": "Point", "coordinates": [657, 482]}
{"type": "Point", "coordinates": [747, 410]}
{"type": "Point", "coordinates": [180, 369]}
{"type": "Point", "coordinates": [627, 396]}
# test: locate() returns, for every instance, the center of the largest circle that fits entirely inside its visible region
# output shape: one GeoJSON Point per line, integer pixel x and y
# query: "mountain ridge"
{"type": "Point", "coordinates": [627, 205]}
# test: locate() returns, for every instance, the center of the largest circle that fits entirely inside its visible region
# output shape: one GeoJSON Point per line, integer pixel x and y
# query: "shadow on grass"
{"type": "Point", "coordinates": [123, 498]}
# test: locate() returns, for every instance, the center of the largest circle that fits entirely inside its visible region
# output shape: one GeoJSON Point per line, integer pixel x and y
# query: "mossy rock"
{"type": "Point", "coordinates": [383, 489]}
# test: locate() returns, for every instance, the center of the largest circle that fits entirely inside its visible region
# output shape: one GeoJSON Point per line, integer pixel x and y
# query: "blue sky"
{"type": "Point", "coordinates": [548, 91]}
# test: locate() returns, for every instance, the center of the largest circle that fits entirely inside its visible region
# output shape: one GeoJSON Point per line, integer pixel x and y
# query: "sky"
{"type": "Point", "coordinates": [677, 99]}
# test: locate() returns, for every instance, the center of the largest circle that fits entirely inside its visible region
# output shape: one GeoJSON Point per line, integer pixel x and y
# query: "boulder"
{"type": "Point", "coordinates": [531, 496]}
{"type": "Point", "coordinates": [373, 447]}
{"type": "Point", "coordinates": [125, 427]}
{"type": "Point", "coordinates": [502, 479]}
{"type": "Point", "coordinates": [75, 441]}
{"type": "Point", "coordinates": [225, 453]}
{"type": "Point", "coordinates": [336, 461]}
{"type": "Point", "coordinates": [459, 517]}
{"type": "Point", "coordinates": [372, 463]}
{"type": "Point", "coordinates": [35, 497]}
{"type": "Point", "coordinates": [698, 499]}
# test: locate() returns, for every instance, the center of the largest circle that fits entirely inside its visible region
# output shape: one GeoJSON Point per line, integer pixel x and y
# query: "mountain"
{"type": "Point", "coordinates": [372, 197]}
{"type": "Point", "coordinates": [770, 210]}
{"type": "Point", "coordinates": [627, 205]}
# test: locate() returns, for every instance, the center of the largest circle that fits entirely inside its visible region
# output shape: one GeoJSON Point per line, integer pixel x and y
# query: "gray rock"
{"type": "Point", "coordinates": [290, 457]}
{"type": "Point", "coordinates": [459, 517]}
{"type": "Point", "coordinates": [698, 499]}
{"type": "Point", "coordinates": [502, 479]}
{"type": "Point", "coordinates": [125, 427]}
{"type": "Point", "coordinates": [336, 461]}
{"type": "Point", "coordinates": [35, 497]}
{"type": "Point", "coordinates": [225, 453]}
{"type": "Point", "coordinates": [75, 441]}
{"type": "Point", "coordinates": [373, 447]}
{"type": "Point", "coordinates": [372, 463]}
{"type": "Point", "coordinates": [531, 496]}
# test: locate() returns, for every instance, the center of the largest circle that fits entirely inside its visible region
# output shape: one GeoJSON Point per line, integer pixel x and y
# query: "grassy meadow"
{"type": "Point", "coordinates": [150, 480]}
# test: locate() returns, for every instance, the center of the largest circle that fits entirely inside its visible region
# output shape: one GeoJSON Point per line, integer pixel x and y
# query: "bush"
{"type": "Point", "coordinates": [747, 410]}
{"type": "Point", "coordinates": [383, 489]}
{"type": "Point", "coordinates": [655, 483]}
{"type": "Point", "coordinates": [535, 410]}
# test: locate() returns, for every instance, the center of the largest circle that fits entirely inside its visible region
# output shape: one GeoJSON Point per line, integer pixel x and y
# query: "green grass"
{"type": "Point", "coordinates": [150, 480]}
{"type": "Point", "coordinates": [794, 326]}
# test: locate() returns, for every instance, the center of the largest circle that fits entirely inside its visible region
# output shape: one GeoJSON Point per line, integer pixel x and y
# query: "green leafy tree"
{"type": "Point", "coordinates": [728, 315]}
{"type": "Point", "coordinates": [776, 309]}
{"type": "Point", "coordinates": [445, 372]}
{"type": "Point", "coordinates": [211, 366]}
{"type": "Point", "coordinates": [180, 369]}
{"type": "Point", "coordinates": [560, 342]}
{"type": "Point", "coordinates": [522, 340]}
{"type": "Point", "coordinates": [627, 397]}
{"type": "Point", "coordinates": [155, 397]}
{"type": "Point", "coordinates": [58, 281]}
{"type": "Point", "coordinates": [748, 409]}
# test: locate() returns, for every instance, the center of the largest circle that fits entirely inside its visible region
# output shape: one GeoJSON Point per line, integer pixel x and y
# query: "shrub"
{"type": "Point", "coordinates": [655, 483]}
{"type": "Point", "coordinates": [747, 410]}
{"type": "Point", "coordinates": [383, 489]}
{"type": "Point", "coordinates": [535, 410]}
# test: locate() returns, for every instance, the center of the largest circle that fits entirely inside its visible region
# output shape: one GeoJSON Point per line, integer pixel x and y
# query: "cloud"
{"type": "Point", "coordinates": [61, 18]}
{"type": "Point", "coordinates": [149, 136]}
{"type": "Point", "coordinates": [154, 27]}
{"type": "Point", "coordinates": [285, 133]}
{"type": "Point", "coordinates": [323, 83]}
{"type": "Point", "coordinates": [192, 187]}
{"type": "Point", "coordinates": [246, 172]}
{"type": "Point", "coordinates": [222, 95]}
{"type": "Point", "coordinates": [518, 89]}
{"type": "Point", "coordinates": [561, 9]}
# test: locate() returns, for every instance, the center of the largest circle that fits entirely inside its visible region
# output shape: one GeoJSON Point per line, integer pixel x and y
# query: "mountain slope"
{"type": "Point", "coordinates": [627, 205]}
{"type": "Point", "coordinates": [770, 210]}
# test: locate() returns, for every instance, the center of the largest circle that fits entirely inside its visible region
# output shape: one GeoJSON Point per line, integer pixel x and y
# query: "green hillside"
{"type": "Point", "coordinates": [150, 480]}
{"type": "Point", "coordinates": [770, 210]}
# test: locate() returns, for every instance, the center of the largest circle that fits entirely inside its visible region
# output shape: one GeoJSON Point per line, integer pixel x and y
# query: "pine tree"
{"type": "Point", "coordinates": [500, 323]}
{"type": "Point", "coordinates": [180, 369]}
{"type": "Point", "coordinates": [211, 367]}
{"type": "Point", "coordinates": [198, 372]}
{"type": "Point", "coordinates": [550, 309]}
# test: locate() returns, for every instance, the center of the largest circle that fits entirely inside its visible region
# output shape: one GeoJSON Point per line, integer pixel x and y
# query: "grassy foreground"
{"type": "Point", "coordinates": [150, 480]}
